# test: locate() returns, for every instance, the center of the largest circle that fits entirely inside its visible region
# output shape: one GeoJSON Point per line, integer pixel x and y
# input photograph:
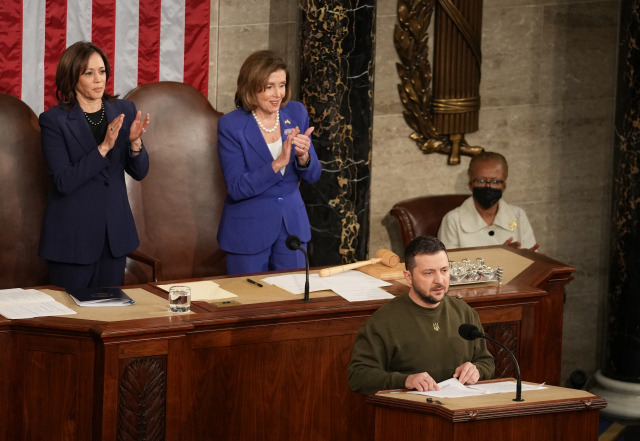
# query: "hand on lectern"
{"type": "Point", "coordinates": [467, 373]}
{"type": "Point", "coordinates": [421, 382]}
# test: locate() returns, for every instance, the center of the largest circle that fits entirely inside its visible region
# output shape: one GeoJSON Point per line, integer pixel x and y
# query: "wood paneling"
{"type": "Point", "coordinates": [269, 371]}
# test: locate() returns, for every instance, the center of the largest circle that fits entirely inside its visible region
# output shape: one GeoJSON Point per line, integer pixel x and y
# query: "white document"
{"type": "Point", "coordinates": [294, 283]}
{"type": "Point", "coordinates": [352, 285]}
{"type": "Point", "coordinates": [452, 388]}
{"type": "Point", "coordinates": [19, 295]}
{"type": "Point", "coordinates": [353, 279]}
{"type": "Point", "coordinates": [27, 303]}
{"type": "Point", "coordinates": [500, 387]}
{"type": "Point", "coordinates": [356, 286]}
{"type": "Point", "coordinates": [360, 294]}
{"type": "Point", "coordinates": [203, 290]}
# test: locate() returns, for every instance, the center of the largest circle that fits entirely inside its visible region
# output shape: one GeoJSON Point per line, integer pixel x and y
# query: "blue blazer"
{"type": "Point", "coordinates": [88, 197]}
{"type": "Point", "coordinates": [258, 200]}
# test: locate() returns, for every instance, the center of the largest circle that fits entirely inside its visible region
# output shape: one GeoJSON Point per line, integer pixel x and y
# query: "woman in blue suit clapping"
{"type": "Point", "coordinates": [265, 150]}
{"type": "Point", "coordinates": [89, 140]}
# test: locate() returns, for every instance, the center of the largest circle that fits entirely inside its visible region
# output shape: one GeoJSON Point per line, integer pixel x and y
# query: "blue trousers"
{"type": "Point", "coordinates": [107, 271]}
{"type": "Point", "coordinates": [276, 257]}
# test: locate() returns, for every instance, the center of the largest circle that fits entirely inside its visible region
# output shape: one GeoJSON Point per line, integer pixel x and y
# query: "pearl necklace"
{"type": "Point", "coordinates": [86, 115]}
{"type": "Point", "coordinates": [263, 127]}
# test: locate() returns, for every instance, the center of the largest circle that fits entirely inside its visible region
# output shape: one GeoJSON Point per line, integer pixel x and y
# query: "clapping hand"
{"type": "Point", "coordinates": [138, 126]}
{"type": "Point", "coordinates": [302, 142]}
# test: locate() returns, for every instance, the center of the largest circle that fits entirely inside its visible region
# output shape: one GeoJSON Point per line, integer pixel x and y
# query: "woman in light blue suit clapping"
{"type": "Point", "coordinates": [265, 150]}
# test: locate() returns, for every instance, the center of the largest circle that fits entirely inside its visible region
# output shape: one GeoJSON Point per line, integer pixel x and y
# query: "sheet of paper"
{"type": "Point", "coordinates": [204, 290]}
{"type": "Point", "coordinates": [356, 286]}
{"type": "Point", "coordinates": [452, 388]}
{"type": "Point", "coordinates": [18, 295]}
{"type": "Point", "coordinates": [504, 387]}
{"type": "Point", "coordinates": [294, 283]}
{"type": "Point", "coordinates": [353, 279]}
{"type": "Point", "coordinates": [29, 310]}
{"type": "Point", "coordinates": [359, 294]}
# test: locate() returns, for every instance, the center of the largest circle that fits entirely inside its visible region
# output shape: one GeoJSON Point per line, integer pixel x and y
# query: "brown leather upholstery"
{"type": "Point", "coordinates": [177, 207]}
{"type": "Point", "coordinates": [423, 215]}
{"type": "Point", "coordinates": [24, 180]}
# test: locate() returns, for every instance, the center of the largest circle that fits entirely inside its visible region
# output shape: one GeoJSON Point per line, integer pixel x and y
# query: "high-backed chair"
{"type": "Point", "coordinates": [177, 206]}
{"type": "Point", "coordinates": [24, 180]}
{"type": "Point", "coordinates": [423, 215]}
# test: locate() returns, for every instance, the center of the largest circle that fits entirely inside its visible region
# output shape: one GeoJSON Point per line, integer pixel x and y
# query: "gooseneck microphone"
{"type": "Point", "coordinates": [471, 332]}
{"type": "Point", "coordinates": [293, 243]}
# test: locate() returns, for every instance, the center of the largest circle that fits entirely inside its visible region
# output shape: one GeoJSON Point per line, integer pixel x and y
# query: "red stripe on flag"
{"type": "Point", "coordinates": [11, 48]}
{"type": "Point", "coordinates": [55, 31]}
{"type": "Point", "coordinates": [103, 31]}
{"type": "Point", "coordinates": [149, 42]}
{"type": "Point", "coordinates": [196, 44]}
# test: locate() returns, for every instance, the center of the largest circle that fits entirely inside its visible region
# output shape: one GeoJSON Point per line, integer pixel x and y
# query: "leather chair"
{"type": "Point", "coordinates": [24, 180]}
{"type": "Point", "coordinates": [423, 215]}
{"type": "Point", "coordinates": [177, 206]}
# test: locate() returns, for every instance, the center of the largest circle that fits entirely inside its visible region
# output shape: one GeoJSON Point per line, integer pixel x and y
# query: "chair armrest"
{"type": "Point", "coordinates": [155, 264]}
{"type": "Point", "coordinates": [404, 221]}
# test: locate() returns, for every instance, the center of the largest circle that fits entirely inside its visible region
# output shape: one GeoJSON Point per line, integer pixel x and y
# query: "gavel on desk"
{"type": "Point", "coordinates": [386, 257]}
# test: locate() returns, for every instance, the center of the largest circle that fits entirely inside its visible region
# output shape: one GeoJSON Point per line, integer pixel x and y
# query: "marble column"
{"type": "Point", "coordinates": [336, 81]}
{"type": "Point", "coordinates": [619, 379]}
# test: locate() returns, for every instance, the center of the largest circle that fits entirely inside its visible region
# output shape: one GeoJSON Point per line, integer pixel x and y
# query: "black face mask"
{"type": "Point", "coordinates": [487, 197]}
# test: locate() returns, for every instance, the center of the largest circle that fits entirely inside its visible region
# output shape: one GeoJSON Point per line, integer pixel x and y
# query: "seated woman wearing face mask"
{"type": "Point", "coordinates": [484, 219]}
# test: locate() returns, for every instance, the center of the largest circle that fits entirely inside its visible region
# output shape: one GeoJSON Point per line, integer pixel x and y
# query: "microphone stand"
{"type": "Point", "coordinates": [306, 281]}
{"type": "Point", "coordinates": [293, 243]}
{"type": "Point", "coordinates": [515, 362]}
{"type": "Point", "coordinates": [471, 332]}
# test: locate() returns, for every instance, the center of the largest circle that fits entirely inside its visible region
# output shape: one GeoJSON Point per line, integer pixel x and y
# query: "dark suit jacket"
{"type": "Point", "coordinates": [88, 198]}
{"type": "Point", "coordinates": [258, 200]}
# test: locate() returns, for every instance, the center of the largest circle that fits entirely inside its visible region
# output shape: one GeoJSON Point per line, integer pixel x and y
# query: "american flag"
{"type": "Point", "coordinates": [145, 41]}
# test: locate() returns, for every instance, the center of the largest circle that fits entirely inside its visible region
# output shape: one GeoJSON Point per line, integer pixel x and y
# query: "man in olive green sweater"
{"type": "Point", "coordinates": [412, 342]}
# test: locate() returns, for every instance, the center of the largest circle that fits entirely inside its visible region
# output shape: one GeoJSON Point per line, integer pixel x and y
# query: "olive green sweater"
{"type": "Point", "coordinates": [403, 338]}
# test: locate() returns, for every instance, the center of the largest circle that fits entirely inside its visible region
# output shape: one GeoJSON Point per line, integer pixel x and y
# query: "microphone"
{"type": "Point", "coordinates": [293, 243]}
{"type": "Point", "coordinates": [471, 332]}
{"type": "Point", "coordinates": [491, 233]}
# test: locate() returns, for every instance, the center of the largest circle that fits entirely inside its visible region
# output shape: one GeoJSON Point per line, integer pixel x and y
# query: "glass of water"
{"type": "Point", "coordinates": [179, 299]}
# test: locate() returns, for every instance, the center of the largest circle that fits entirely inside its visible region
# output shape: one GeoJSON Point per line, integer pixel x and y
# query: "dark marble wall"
{"type": "Point", "coordinates": [622, 345]}
{"type": "Point", "coordinates": [336, 81]}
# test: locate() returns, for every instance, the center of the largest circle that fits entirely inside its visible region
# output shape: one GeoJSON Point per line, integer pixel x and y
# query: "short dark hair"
{"type": "Point", "coordinates": [253, 76]}
{"type": "Point", "coordinates": [489, 156]}
{"type": "Point", "coordinates": [72, 64]}
{"type": "Point", "coordinates": [421, 245]}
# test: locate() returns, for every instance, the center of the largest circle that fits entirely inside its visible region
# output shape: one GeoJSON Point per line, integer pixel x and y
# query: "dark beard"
{"type": "Point", "coordinates": [425, 297]}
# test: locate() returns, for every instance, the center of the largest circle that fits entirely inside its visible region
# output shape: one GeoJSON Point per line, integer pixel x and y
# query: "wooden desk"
{"type": "Point", "coordinates": [268, 371]}
{"type": "Point", "coordinates": [555, 413]}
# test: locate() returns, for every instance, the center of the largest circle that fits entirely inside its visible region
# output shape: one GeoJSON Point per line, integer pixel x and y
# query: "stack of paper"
{"type": "Point", "coordinates": [351, 285]}
{"type": "Point", "coordinates": [204, 290]}
{"type": "Point", "coordinates": [452, 388]}
{"type": "Point", "coordinates": [19, 303]}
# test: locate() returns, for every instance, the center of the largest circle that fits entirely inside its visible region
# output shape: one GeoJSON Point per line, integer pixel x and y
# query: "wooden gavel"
{"type": "Point", "coordinates": [386, 257]}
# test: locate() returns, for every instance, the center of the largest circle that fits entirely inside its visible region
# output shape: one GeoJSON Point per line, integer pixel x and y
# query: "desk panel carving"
{"type": "Point", "coordinates": [142, 399]}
